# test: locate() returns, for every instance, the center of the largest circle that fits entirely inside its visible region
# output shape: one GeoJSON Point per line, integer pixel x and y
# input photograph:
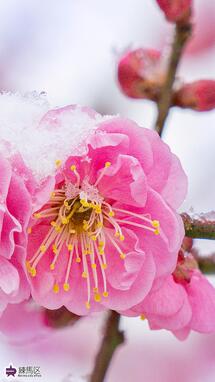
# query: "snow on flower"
{"type": "Point", "coordinates": [109, 228]}
{"type": "Point", "coordinates": [15, 212]}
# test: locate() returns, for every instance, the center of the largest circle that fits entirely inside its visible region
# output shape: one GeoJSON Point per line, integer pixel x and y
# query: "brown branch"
{"type": "Point", "coordinates": [182, 33]}
{"type": "Point", "coordinates": [113, 337]}
{"type": "Point", "coordinates": [198, 228]}
{"type": "Point", "coordinates": [206, 264]}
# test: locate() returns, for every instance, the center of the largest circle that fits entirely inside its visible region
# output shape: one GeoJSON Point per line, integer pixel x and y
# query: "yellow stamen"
{"type": "Point", "coordinates": [97, 297]}
{"type": "Point", "coordinates": [29, 230]}
{"type": "Point", "coordinates": [43, 248]}
{"type": "Point", "coordinates": [111, 214]}
{"type": "Point", "coordinates": [66, 287]}
{"type": "Point", "coordinates": [104, 266]}
{"type": "Point", "coordinates": [78, 259]}
{"type": "Point", "coordinates": [105, 294]}
{"type": "Point", "coordinates": [64, 220]}
{"type": "Point", "coordinates": [107, 164]}
{"type": "Point", "coordinates": [52, 267]}
{"type": "Point", "coordinates": [156, 223]}
{"type": "Point", "coordinates": [73, 167]}
{"type": "Point", "coordinates": [87, 304]}
{"type": "Point", "coordinates": [157, 231]}
{"type": "Point", "coordinates": [121, 237]}
{"type": "Point", "coordinates": [122, 256]}
{"type": "Point", "coordinates": [93, 266]}
{"type": "Point", "coordinates": [55, 288]}
{"type": "Point", "coordinates": [142, 317]}
{"type": "Point", "coordinates": [58, 163]}
{"type": "Point", "coordinates": [33, 272]}
{"type": "Point", "coordinates": [69, 246]}
{"type": "Point", "coordinates": [84, 275]}
{"type": "Point", "coordinates": [37, 215]}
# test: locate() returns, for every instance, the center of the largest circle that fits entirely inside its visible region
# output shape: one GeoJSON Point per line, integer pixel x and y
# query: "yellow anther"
{"type": "Point", "coordinates": [29, 230]}
{"type": "Point", "coordinates": [156, 223]}
{"type": "Point", "coordinates": [84, 275]}
{"type": "Point", "coordinates": [37, 215]}
{"type": "Point", "coordinates": [97, 297]}
{"type": "Point", "coordinates": [78, 259]}
{"type": "Point", "coordinates": [52, 195]}
{"type": "Point", "coordinates": [111, 214]}
{"type": "Point", "coordinates": [33, 272]}
{"type": "Point", "coordinates": [99, 225]}
{"type": "Point", "coordinates": [107, 164]}
{"type": "Point", "coordinates": [93, 237]}
{"type": "Point", "coordinates": [98, 209]}
{"type": "Point", "coordinates": [157, 231]}
{"type": "Point", "coordinates": [64, 220]}
{"type": "Point", "coordinates": [69, 246]}
{"type": "Point", "coordinates": [117, 234]}
{"type": "Point", "coordinates": [142, 317]}
{"type": "Point", "coordinates": [57, 228]}
{"type": "Point", "coordinates": [58, 163]}
{"type": "Point", "coordinates": [122, 237]}
{"type": "Point", "coordinates": [101, 251]}
{"type": "Point", "coordinates": [66, 287]}
{"type": "Point", "coordinates": [95, 290]}
{"type": "Point", "coordinates": [54, 249]}
{"type": "Point", "coordinates": [53, 223]}
{"type": "Point", "coordinates": [73, 167]}
{"type": "Point", "coordinates": [101, 244]}
{"type": "Point", "coordinates": [52, 267]}
{"type": "Point", "coordinates": [43, 248]}
{"type": "Point", "coordinates": [85, 252]}
{"type": "Point", "coordinates": [93, 265]}
{"type": "Point", "coordinates": [105, 294]}
{"type": "Point", "coordinates": [104, 266]}
{"type": "Point", "coordinates": [66, 204]}
{"type": "Point", "coordinates": [122, 256]}
{"type": "Point", "coordinates": [84, 203]}
{"type": "Point", "coordinates": [87, 304]}
{"type": "Point", "coordinates": [55, 288]}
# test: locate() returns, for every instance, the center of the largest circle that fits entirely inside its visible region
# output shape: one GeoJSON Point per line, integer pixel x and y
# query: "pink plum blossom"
{"type": "Point", "coordinates": [109, 228]}
{"type": "Point", "coordinates": [15, 212]}
{"type": "Point", "coordinates": [184, 302]}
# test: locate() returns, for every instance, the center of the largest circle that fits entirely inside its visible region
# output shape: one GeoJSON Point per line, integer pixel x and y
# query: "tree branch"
{"type": "Point", "coordinates": [113, 337]}
{"type": "Point", "coordinates": [198, 228]}
{"type": "Point", "coordinates": [182, 33]}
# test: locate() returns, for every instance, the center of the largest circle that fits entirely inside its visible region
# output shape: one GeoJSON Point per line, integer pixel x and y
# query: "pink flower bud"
{"type": "Point", "coordinates": [198, 95]}
{"type": "Point", "coordinates": [139, 73]}
{"type": "Point", "coordinates": [175, 10]}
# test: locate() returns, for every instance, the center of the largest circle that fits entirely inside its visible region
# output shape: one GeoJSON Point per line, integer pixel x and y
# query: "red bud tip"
{"type": "Point", "coordinates": [198, 95]}
{"type": "Point", "coordinates": [175, 10]}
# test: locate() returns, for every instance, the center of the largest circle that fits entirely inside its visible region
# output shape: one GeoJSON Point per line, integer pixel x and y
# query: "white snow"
{"type": "Point", "coordinates": [41, 147]}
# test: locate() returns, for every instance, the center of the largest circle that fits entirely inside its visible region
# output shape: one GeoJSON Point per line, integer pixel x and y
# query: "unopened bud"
{"type": "Point", "coordinates": [140, 73]}
{"type": "Point", "coordinates": [175, 10]}
{"type": "Point", "coordinates": [198, 95]}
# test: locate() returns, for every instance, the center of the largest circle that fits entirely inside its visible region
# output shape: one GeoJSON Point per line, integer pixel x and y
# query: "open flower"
{"type": "Point", "coordinates": [15, 212]}
{"type": "Point", "coordinates": [109, 227]}
{"type": "Point", "coordinates": [184, 302]}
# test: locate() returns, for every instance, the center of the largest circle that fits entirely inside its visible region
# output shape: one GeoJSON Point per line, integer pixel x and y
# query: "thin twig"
{"type": "Point", "coordinates": [198, 228]}
{"type": "Point", "coordinates": [113, 337]}
{"type": "Point", "coordinates": [182, 33]}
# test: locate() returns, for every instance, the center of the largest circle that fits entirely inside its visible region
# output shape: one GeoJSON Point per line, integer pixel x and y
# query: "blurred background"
{"type": "Point", "coordinates": [69, 49]}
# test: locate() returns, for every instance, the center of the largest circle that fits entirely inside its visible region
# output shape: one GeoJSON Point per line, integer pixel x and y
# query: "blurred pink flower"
{"type": "Point", "coordinates": [175, 10]}
{"type": "Point", "coordinates": [15, 212]}
{"type": "Point", "coordinates": [184, 302]}
{"type": "Point", "coordinates": [109, 227]}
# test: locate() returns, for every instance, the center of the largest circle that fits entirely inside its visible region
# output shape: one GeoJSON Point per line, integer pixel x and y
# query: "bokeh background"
{"type": "Point", "coordinates": [69, 49]}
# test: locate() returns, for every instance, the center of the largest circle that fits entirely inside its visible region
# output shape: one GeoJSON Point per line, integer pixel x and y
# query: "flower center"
{"type": "Point", "coordinates": [78, 218]}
